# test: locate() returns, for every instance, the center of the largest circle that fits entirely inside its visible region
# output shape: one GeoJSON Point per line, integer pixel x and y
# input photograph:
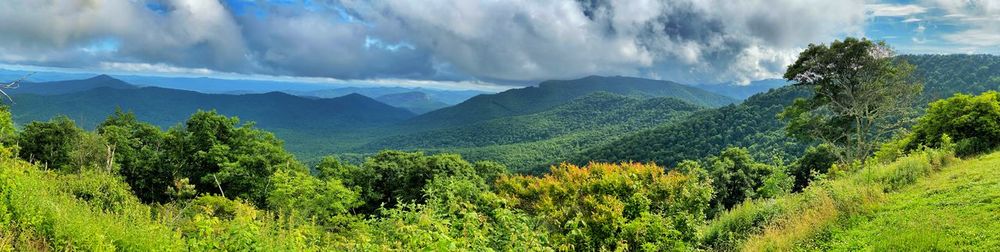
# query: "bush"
{"type": "Point", "coordinates": [736, 177]}
{"type": "Point", "coordinates": [608, 207]}
{"type": "Point", "coordinates": [972, 121]}
{"type": "Point", "coordinates": [817, 160]}
{"type": "Point", "coordinates": [49, 143]}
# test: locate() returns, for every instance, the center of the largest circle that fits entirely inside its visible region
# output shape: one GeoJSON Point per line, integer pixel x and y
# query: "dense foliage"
{"type": "Point", "coordinates": [49, 143]}
{"type": "Point", "coordinates": [604, 207]}
{"type": "Point", "coordinates": [972, 122]}
{"type": "Point", "coordinates": [737, 177]}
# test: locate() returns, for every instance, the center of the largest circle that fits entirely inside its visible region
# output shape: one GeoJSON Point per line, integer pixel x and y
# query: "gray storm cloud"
{"type": "Point", "coordinates": [516, 40]}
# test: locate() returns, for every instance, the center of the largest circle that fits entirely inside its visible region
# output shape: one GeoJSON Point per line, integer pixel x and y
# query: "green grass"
{"type": "Point", "coordinates": [957, 209]}
{"type": "Point", "coordinates": [806, 220]}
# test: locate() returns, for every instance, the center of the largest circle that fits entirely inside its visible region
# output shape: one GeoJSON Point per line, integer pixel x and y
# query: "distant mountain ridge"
{"type": "Point", "coordinates": [70, 86]}
{"type": "Point", "coordinates": [416, 101]}
{"type": "Point", "coordinates": [550, 94]}
{"type": "Point", "coordinates": [742, 92]}
{"type": "Point", "coordinates": [166, 107]}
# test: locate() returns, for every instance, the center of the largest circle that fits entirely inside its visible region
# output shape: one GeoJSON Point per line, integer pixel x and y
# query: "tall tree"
{"type": "Point", "coordinates": [862, 95]}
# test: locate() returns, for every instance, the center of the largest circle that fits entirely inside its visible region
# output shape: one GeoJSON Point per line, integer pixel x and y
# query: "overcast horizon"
{"type": "Point", "coordinates": [480, 45]}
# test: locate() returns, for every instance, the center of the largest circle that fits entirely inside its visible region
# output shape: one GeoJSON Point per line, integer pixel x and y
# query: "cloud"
{"type": "Point", "coordinates": [894, 10]}
{"type": "Point", "coordinates": [911, 20]}
{"type": "Point", "coordinates": [516, 41]}
{"type": "Point", "coordinates": [688, 40]}
{"type": "Point", "coordinates": [979, 19]}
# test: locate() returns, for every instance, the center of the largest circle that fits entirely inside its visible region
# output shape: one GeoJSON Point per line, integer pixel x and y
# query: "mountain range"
{"type": "Point", "coordinates": [598, 118]}
{"type": "Point", "coordinates": [550, 94]}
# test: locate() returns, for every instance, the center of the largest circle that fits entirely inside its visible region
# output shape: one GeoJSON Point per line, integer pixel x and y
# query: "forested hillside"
{"type": "Point", "coordinates": [533, 142]}
{"type": "Point", "coordinates": [167, 107]}
{"type": "Point", "coordinates": [754, 125]}
{"type": "Point", "coordinates": [312, 127]}
{"type": "Point", "coordinates": [945, 75]}
{"type": "Point", "coordinates": [550, 94]}
{"type": "Point", "coordinates": [70, 86]}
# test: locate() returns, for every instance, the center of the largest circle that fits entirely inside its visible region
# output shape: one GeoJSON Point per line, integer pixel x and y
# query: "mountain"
{"type": "Point", "coordinates": [742, 92]}
{"type": "Point", "coordinates": [532, 142]}
{"type": "Point", "coordinates": [166, 107]}
{"type": "Point", "coordinates": [69, 86]}
{"type": "Point", "coordinates": [310, 127]}
{"type": "Point", "coordinates": [945, 75]}
{"type": "Point", "coordinates": [237, 86]}
{"type": "Point", "coordinates": [416, 102]}
{"type": "Point", "coordinates": [549, 94]}
{"type": "Point", "coordinates": [448, 97]}
{"type": "Point", "coordinates": [751, 124]}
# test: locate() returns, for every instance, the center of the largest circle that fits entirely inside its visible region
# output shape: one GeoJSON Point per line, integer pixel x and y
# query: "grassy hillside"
{"type": "Point", "coordinates": [956, 209]}
{"type": "Point", "coordinates": [802, 220]}
{"type": "Point", "coordinates": [550, 94]}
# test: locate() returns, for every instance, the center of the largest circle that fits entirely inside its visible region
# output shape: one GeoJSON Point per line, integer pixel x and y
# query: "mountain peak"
{"type": "Point", "coordinates": [103, 77]}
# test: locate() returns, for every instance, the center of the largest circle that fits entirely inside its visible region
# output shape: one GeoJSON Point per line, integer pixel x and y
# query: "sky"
{"type": "Point", "coordinates": [472, 44]}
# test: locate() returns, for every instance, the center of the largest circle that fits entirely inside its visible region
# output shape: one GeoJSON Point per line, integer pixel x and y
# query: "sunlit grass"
{"type": "Point", "coordinates": [957, 209]}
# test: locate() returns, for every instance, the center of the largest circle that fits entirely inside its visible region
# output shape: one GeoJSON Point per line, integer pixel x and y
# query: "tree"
{"type": "Point", "coordinates": [49, 143]}
{"type": "Point", "coordinates": [222, 156]}
{"type": "Point", "coordinates": [862, 96]}
{"type": "Point", "coordinates": [392, 177]}
{"type": "Point", "coordinates": [737, 177]}
{"type": "Point", "coordinates": [297, 192]}
{"type": "Point", "coordinates": [139, 151]}
{"type": "Point", "coordinates": [973, 122]}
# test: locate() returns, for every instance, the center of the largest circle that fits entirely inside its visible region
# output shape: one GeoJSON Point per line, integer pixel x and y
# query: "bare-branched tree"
{"type": "Point", "coordinates": [13, 85]}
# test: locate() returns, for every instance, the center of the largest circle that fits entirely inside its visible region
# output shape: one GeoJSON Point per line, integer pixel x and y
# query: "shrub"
{"type": "Point", "coordinates": [49, 143]}
{"type": "Point", "coordinates": [816, 160]}
{"type": "Point", "coordinates": [972, 121]}
{"type": "Point", "coordinates": [736, 177]}
{"type": "Point", "coordinates": [607, 207]}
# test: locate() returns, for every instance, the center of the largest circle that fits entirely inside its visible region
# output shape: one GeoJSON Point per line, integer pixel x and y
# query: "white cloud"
{"type": "Point", "coordinates": [512, 41]}
{"type": "Point", "coordinates": [980, 20]}
{"type": "Point", "coordinates": [159, 68]}
{"type": "Point", "coordinates": [911, 20]}
{"type": "Point", "coordinates": [894, 10]}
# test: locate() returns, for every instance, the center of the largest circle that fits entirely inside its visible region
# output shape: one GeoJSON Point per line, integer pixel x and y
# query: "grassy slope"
{"type": "Point", "coordinates": [927, 201]}
{"type": "Point", "coordinates": [956, 209]}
